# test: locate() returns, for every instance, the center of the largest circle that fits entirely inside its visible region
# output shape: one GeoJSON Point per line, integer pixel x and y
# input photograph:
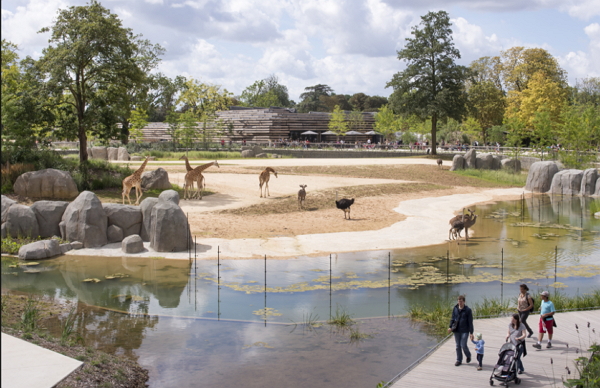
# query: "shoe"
{"type": "Point", "coordinates": [521, 372]}
{"type": "Point", "coordinates": [468, 360]}
{"type": "Point", "coordinates": [457, 363]}
{"type": "Point", "coordinates": [479, 368]}
{"type": "Point", "coordinates": [537, 346]}
{"type": "Point", "coordinates": [549, 345]}
{"type": "Point", "coordinates": [529, 336]}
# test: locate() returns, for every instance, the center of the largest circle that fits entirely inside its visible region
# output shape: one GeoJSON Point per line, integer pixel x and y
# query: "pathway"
{"type": "Point", "coordinates": [438, 369]}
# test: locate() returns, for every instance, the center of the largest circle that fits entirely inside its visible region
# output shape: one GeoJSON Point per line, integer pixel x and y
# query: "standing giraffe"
{"type": "Point", "coordinates": [195, 175]}
{"type": "Point", "coordinates": [264, 180]}
{"type": "Point", "coordinates": [134, 180]}
{"type": "Point", "coordinates": [188, 168]}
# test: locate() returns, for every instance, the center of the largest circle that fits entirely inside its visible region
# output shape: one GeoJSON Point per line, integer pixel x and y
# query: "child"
{"type": "Point", "coordinates": [479, 349]}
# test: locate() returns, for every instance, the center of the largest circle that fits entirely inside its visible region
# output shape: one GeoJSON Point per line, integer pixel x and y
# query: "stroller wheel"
{"type": "Point", "coordinates": [491, 382]}
{"type": "Point", "coordinates": [517, 381]}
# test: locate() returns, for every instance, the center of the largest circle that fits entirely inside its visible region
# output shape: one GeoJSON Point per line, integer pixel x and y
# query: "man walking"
{"type": "Point", "coordinates": [547, 311]}
{"type": "Point", "coordinates": [462, 326]}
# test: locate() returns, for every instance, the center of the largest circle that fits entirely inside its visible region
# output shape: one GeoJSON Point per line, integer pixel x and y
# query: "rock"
{"type": "Point", "coordinates": [511, 165]}
{"type": "Point", "coordinates": [497, 162]}
{"type": "Point", "coordinates": [169, 195]}
{"type": "Point", "coordinates": [48, 183]}
{"type": "Point", "coordinates": [135, 158]}
{"type": "Point", "coordinates": [122, 154]}
{"type": "Point", "coordinates": [114, 234]}
{"type": "Point", "coordinates": [263, 155]}
{"type": "Point", "coordinates": [64, 248]}
{"type": "Point", "coordinates": [48, 215]}
{"type": "Point", "coordinates": [540, 176]}
{"type": "Point", "coordinates": [566, 182]}
{"type": "Point", "coordinates": [6, 203]}
{"type": "Point", "coordinates": [471, 158]}
{"type": "Point", "coordinates": [132, 244]}
{"type": "Point", "coordinates": [484, 161]}
{"type": "Point", "coordinates": [257, 150]}
{"type": "Point", "coordinates": [597, 192]}
{"type": "Point", "coordinates": [126, 217]}
{"type": "Point", "coordinates": [458, 163]}
{"type": "Point", "coordinates": [146, 210]}
{"type": "Point", "coordinates": [151, 158]}
{"type": "Point", "coordinates": [89, 152]}
{"type": "Point", "coordinates": [597, 215]}
{"type": "Point", "coordinates": [157, 179]}
{"type": "Point", "coordinates": [588, 182]}
{"type": "Point", "coordinates": [99, 153]}
{"type": "Point", "coordinates": [39, 250]}
{"type": "Point", "coordinates": [170, 231]}
{"type": "Point", "coordinates": [246, 148]}
{"type": "Point", "coordinates": [76, 245]}
{"type": "Point", "coordinates": [247, 154]}
{"type": "Point", "coordinates": [112, 153]}
{"type": "Point", "coordinates": [21, 222]}
{"type": "Point", "coordinates": [85, 220]}
{"type": "Point", "coordinates": [527, 161]}
{"type": "Point", "coordinates": [3, 231]}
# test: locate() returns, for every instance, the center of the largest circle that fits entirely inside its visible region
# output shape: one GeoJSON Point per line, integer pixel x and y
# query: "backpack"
{"type": "Point", "coordinates": [532, 302]}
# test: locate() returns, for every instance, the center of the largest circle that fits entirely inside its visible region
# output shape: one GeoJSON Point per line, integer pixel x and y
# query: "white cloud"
{"type": "Point", "coordinates": [21, 25]}
{"type": "Point", "coordinates": [582, 9]}
{"type": "Point", "coordinates": [580, 64]}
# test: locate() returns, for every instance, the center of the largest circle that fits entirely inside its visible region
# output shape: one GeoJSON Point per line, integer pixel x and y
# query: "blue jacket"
{"type": "Point", "coordinates": [465, 323]}
{"type": "Point", "coordinates": [479, 346]}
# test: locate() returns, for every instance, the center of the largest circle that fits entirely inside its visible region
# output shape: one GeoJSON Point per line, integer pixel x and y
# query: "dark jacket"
{"type": "Point", "coordinates": [465, 323]}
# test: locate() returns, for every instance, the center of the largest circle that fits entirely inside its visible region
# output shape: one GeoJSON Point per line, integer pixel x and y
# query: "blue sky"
{"type": "Point", "coordinates": [349, 45]}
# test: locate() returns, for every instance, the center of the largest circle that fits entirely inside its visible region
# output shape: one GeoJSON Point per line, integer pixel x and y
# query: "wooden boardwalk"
{"type": "Point", "coordinates": [438, 369]}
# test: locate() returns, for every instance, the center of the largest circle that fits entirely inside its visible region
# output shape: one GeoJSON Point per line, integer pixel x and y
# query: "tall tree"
{"type": "Point", "coordinates": [486, 105]}
{"type": "Point", "coordinates": [310, 98]}
{"type": "Point", "coordinates": [337, 122]}
{"type": "Point", "coordinates": [91, 57]}
{"type": "Point", "coordinates": [519, 65]}
{"type": "Point", "coordinates": [432, 85]}
{"type": "Point", "coordinates": [386, 122]}
{"type": "Point", "coordinates": [335, 100]}
{"type": "Point", "coordinates": [265, 93]}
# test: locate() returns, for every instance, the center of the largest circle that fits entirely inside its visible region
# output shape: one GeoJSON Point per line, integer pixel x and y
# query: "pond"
{"type": "Point", "coordinates": [220, 323]}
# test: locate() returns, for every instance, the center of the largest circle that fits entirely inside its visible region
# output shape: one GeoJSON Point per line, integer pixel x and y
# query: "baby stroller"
{"type": "Point", "coordinates": [506, 368]}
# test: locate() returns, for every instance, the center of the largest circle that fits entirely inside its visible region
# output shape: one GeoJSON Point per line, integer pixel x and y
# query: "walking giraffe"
{"type": "Point", "coordinates": [134, 180]}
{"type": "Point", "coordinates": [264, 180]}
{"type": "Point", "coordinates": [195, 175]}
{"type": "Point", "coordinates": [188, 169]}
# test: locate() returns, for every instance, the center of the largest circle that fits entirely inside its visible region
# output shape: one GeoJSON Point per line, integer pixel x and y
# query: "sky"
{"type": "Point", "coordinates": [350, 45]}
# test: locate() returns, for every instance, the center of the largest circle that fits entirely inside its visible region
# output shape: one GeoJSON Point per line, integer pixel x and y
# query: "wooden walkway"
{"type": "Point", "coordinates": [438, 369]}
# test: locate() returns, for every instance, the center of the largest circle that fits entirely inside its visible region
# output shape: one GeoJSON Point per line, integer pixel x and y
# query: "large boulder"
{"type": "Point", "coordinates": [122, 154]}
{"type": "Point", "coordinates": [112, 153]}
{"type": "Point", "coordinates": [170, 231]}
{"type": "Point", "coordinates": [597, 191]}
{"type": "Point", "coordinates": [146, 209]}
{"type": "Point", "coordinates": [257, 150]}
{"type": "Point", "coordinates": [497, 162]}
{"type": "Point", "coordinates": [40, 250]}
{"type": "Point", "coordinates": [157, 179]}
{"type": "Point", "coordinates": [21, 222]}
{"type": "Point", "coordinates": [567, 182]}
{"type": "Point", "coordinates": [471, 158]}
{"type": "Point", "coordinates": [540, 176]}
{"type": "Point", "coordinates": [588, 182]}
{"type": "Point", "coordinates": [511, 165]}
{"type": "Point", "coordinates": [126, 217]}
{"type": "Point", "coordinates": [48, 183]}
{"type": "Point", "coordinates": [132, 244]}
{"type": "Point", "coordinates": [527, 161]}
{"type": "Point", "coordinates": [247, 154]}
{"type": "Point", "coordinates": [84, 220]}
{"type": "Point", "coordinates": [48, 215]}
{"type": "Point", "coordinates": [485, 162]}
{"type": "Point", "coordinates": [169, 195]}
{"type": "Point", "coordinates": [114, 234]}
{"type": "Point", "coordinates": [458, 163]}
{"type": "Point", "coordinates": [135, 158]}
{"type": "Point", "coordinates": [99, 153]}
{"type": "Point", "coordinates": [6, 203]}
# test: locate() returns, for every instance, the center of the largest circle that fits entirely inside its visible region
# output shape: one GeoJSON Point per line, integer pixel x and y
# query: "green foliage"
{"type": "Point", "coordinates": [265, 93]}
{"type": "Point", "coordinates": [491, 308]}
{"type": "Point", "coordinates": [341, 318]}
{"type": "Point", "coordinates": [11, 246]}
{"type": "Point", "coordinates": [67, 326]}
{"type": "Point", "coordinates": [31, 315]}
{"type": "Point", "coordinates": [579, 134]}
{"type": "Point", "coordinates": [563, 302]}
{"type": "Point", "coordinates": [356, 120]}
{"type": "Point", "coordinates": [486, 105]}
{"type": "Point", "coordinates": [588, 370]}
{"type": "Point", "coordinates": [386, 122]}
{"type": "Point", "coordinates": [138, 120]}
{"type": "Point", "coordinates": [337, 122]}
{"type": "Point", "coordinates": [310, 101]}
{"type": "Point", "coordinates": [507, 178]}
{"type": "Point", "coordinates": [432, 85]}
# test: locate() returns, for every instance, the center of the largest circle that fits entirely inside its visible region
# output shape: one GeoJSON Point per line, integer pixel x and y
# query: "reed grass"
{"type": "Point", "coordinates": [585, 301]}
{"type": "Point", "coordinates": [30, 316]}
{"type": "Point", "coordinates": [67, 326]}
{"type": "Point", "coordinates": [341, 318]}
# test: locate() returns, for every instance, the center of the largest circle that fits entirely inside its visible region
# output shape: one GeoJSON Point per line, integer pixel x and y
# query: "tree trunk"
{"type": "Point", "coordinates": [125, 132]}
{"type": "Point", "coordinates": [83, 154]}
{"type": "Point", "coordinates": [434, 134]}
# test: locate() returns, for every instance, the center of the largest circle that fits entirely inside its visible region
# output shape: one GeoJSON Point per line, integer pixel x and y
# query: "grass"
{"type": "Point", "coordinates": [115, 195]}
{"type": "Point", "coordinates": [595, 206]}
{"type": "Point", "coordinates": [12, 245]}
{"type": "Point", "coordinates": [356, 335]}
{"type": "Point", "coordinates": [588, 370]}
{"type": "Point", "coordinates": [194, 155]}
{"type": "Point", "coordinates": [325, 199]}
{"type": "Point", "coordinates": [67, 326]}
{"type": "Point", "coordinates": [30, 316]}
{"type": "Point", "coordinates": [341, 318]}
{"type": "Point", "coordinates": [563, 302]}
{"type": "Point", "coordinates": [500, 177]}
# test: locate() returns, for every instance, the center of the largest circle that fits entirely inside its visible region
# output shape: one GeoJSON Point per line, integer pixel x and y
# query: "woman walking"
{"type": "Point", "coordinates": [525, 307]}
{"type": "Point", "coordinates": [516, 334]}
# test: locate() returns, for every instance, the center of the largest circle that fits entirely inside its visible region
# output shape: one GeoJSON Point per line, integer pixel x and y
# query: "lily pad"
{"type": "Point", "coordinates": [91, 280]}
{"type": "Point", "coordinates": [30, 263]}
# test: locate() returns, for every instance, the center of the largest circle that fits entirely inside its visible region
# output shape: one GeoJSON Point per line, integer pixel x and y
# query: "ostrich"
{"type": "Point", "coordinates": [439, 163]}
{"type": "Point", "coordinates": [301, 196]}
{"type": "Point", "coordinates": [344, 204]}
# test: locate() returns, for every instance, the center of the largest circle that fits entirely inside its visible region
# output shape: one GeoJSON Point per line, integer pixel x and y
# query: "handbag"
{"type": "Point", "coordinates": [454, 326]}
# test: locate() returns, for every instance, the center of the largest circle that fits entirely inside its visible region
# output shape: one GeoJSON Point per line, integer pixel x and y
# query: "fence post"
{"type": "Point", "coordinates": [389, 281]}
{"type": "Point", "coordinates": [330, 286]}
{"type": "Point", "coordinates": [502, 278]}
{"type": "Point", "coordinates": [555, 261]}
{"type": "Point", "coordinates": [447, 266]}
{"type": "Point", "coordinates": [218, 283]}
{"type": "Point", "coordinates": [265, 290]}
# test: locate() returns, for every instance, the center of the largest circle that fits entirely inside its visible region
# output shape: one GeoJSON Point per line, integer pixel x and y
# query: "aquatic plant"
{"type": "Point", "coordinates": [341, 318]}
{"type": "Point", "coordinates": [492, 307]}
{"type": "Point", "coordinates": [67, 326]}
{"type": "Point", "coordinates": [588, 370]}
{"type": "Point", "coordinates": [562, 302]}
{"type": "Point", "coordinates": [356, 335]}
{"type": "Point", "coordinates": [437, 314]}
{"type": "Point", "coordinates": [30, 316]}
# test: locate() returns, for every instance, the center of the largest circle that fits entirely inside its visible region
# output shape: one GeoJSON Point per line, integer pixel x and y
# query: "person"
{"type": "Point", "coordinates": [516, 334]}
{"type": "Point", "coordinates": [479, 349]}
{"type": "Point", "coordinates": [547, 311]}
{"type": "Point", "coordinates": [525, 307]}
{"type": "Point", "coordinates": [222, 143]}
{"type": "Point", "coordinates": [463, 317]}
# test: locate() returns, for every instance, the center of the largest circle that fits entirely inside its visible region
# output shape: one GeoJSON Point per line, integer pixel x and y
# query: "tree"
{"type": "Point", "coordinates": [486, 104]}
{"type": "Point", "coordinates": [386, 122]}
{"type": "Point", "coordinates": [579, 132]}
{"type": "Point", "coordinates": [432, 84]}
{"type": "Point", "coordinates": [138, 119]}
{"type": "Point", "coordinates": [163, 96]}
{"type": "Point", "coordinates": [91, 59]}
{"type": "Point", "coordinates": [265, 93]}
{"type": "Point", "coordinates": [358, 101]}
{"type": "Point", "coordinates": [356, 120]}
{"type": "Point", "coordinates": [330, 102]}
{"type": "Point", "coordinates": [587, 91]}
{"type": "Point", "coordinates": [337, 122]}
{"type": "Point", "coordinates": [310, 98]}
{"type": "Point", "coordinates": [373, 103]}
{"type": "Point", "coordinates": [519, 65]}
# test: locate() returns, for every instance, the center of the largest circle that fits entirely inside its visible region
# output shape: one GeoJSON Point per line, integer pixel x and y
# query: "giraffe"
{"type": "Point", "coordinates": [134, 180]}
{"type": "Point", "coordinates": [264, 180]}
{"type": "Point", "coordinates": [188, 168]}
{"type": "Point", "coordinates": [196, 175]}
